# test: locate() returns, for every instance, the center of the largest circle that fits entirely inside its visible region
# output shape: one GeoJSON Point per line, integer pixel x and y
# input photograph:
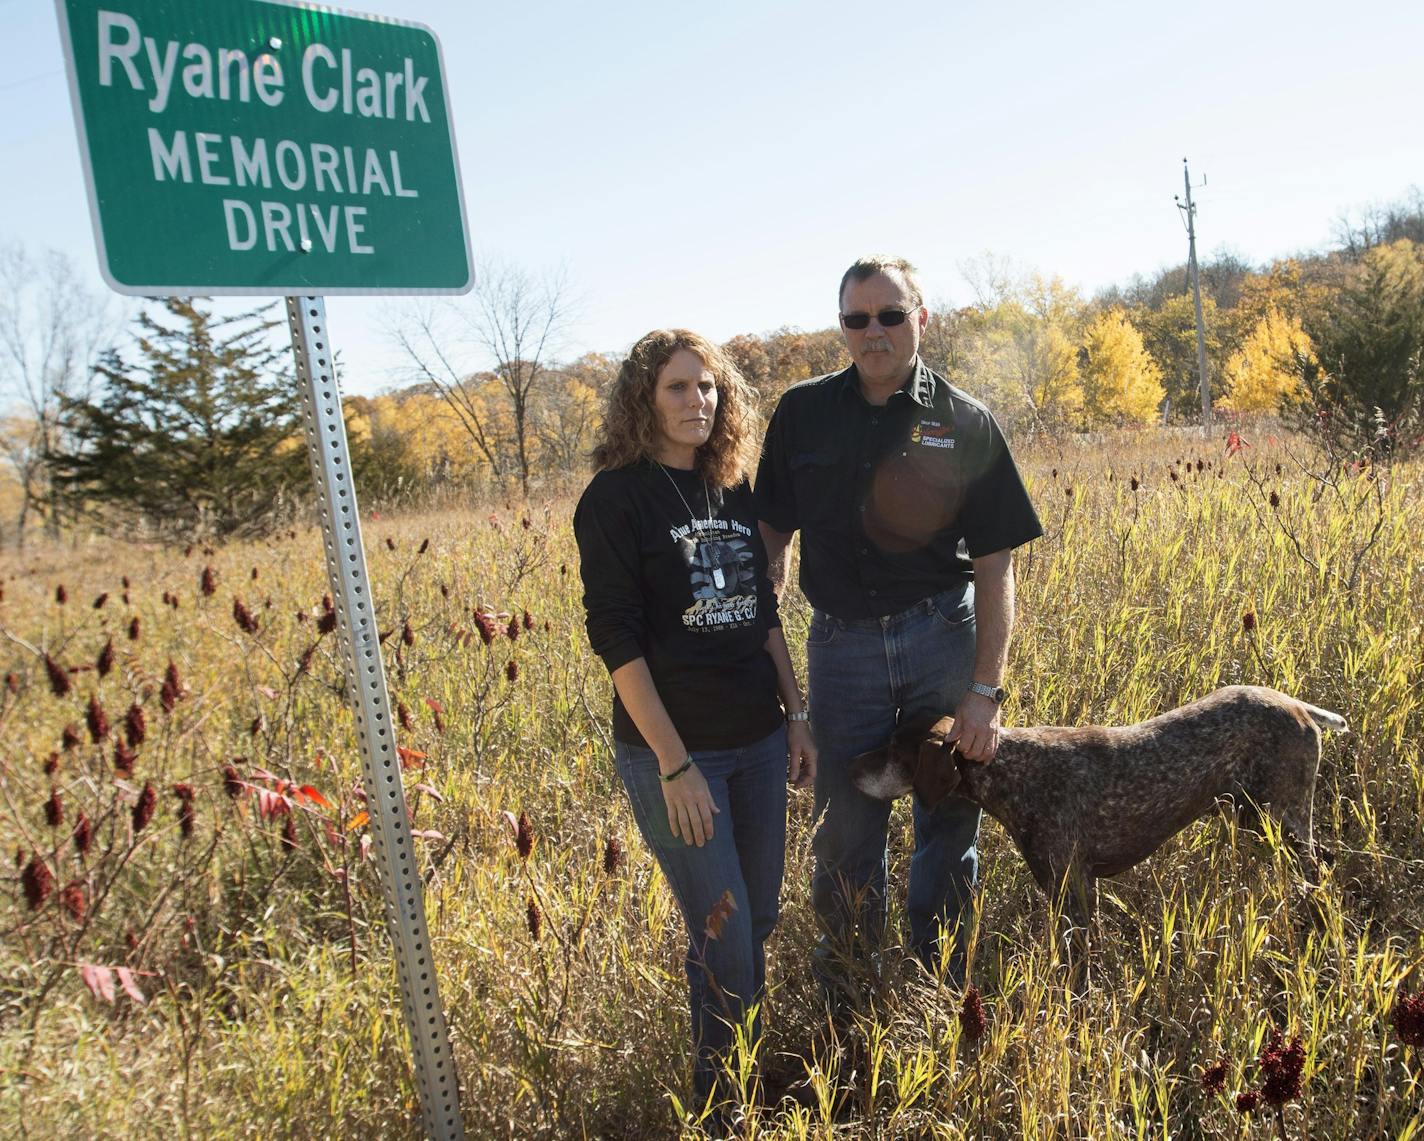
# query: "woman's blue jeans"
{"type": "Point", "coordinates": [865, 677]}
{"type": "Point", "coordinates": [746, 856]}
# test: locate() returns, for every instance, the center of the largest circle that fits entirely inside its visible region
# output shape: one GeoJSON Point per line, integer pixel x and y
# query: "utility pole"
{"type": "Point", "coordinates": [1189, 212]}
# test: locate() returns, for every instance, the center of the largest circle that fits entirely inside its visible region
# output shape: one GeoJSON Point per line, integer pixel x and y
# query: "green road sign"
{"type": "Point", "coordinates": [253, 147]}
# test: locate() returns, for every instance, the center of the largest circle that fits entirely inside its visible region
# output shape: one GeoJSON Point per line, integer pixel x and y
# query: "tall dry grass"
{"type": "Point", "coordinates": [255, 940]}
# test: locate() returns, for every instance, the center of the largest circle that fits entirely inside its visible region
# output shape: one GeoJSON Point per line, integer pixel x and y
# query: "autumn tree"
{"type": "Point", "coordinates": [511, 324]}
{"type": "Point", "coordinates": [1223, 278]}
{"type": "Point", "coordinates": [570, 410]}
{"type": "Point", "coordinates": [194, 432]}
{"type": "Point", "coordinates": [434, 343]}
{"type": "Point", "coordinates": [1285, 286]}
{"type": "Point", "coordinates": [1381, 225]}
{"type": "Point", "coordinates": [1265, 371]}
{"type": "Point", "coordinates": [944, 338]}
{"type": "Point", "coordinates": [1021, 355]}
{"type": "Point", "coordinates": [1170, 335]}
{"type": "Point", "coordinates": [389, 465]}
{"type": "Point", "coordinates": [797, 355]}
{"type": "Point", "coordinates": [434, 448]}
{"type": "Point", "coordinates": [1121, 382]}
{"type": "Point", "coordinates": [749, 354]}
{"type": "Point", "coordinates": [52, 331]}
{"type": "Point", "coordinates": [773, 363]}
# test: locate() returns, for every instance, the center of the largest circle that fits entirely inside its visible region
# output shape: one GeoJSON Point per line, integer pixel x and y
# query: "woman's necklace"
{"type": "Point", "coordinates": [719, 580]}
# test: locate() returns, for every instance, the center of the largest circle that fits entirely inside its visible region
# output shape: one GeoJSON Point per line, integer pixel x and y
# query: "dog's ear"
{"type": "Point", "coordinates": [936, 776]}
{"type": "Point", "coordinates": [909, 736]}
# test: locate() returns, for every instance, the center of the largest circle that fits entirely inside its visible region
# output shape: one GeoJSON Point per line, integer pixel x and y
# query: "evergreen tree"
{"type": "Point", "coordinates": [198, 435]}
{"type": "Point", "coordinates": [1366, 382]}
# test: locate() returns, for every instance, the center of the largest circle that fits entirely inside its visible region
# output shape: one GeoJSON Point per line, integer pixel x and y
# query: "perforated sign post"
{"type": "Point", "coordinates": [266, 148]}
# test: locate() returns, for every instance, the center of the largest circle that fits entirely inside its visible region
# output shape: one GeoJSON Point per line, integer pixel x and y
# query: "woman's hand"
{"type": "Point", "coordinates": [690, 807]}
{"type": "Point", "coordinates": [800, 754]}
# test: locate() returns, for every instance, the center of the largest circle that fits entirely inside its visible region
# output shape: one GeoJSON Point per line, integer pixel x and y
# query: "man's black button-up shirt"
{"type": "Point", "coordinates": [892, 501]}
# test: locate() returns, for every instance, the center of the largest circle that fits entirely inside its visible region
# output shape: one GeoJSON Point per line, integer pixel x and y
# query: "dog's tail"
{"type": "Point", "coordinates": [1325, 719]}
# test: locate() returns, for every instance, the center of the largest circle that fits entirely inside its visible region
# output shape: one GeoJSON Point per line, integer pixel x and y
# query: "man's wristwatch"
{"type": "Point", "coordinates": [995, 693]}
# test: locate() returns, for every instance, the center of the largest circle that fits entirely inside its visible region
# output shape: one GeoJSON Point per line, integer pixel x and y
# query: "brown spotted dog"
{"type": "Point", "coordinates": [1082, 803]}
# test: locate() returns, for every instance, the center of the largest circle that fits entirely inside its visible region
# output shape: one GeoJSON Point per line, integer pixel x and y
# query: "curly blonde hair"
{"type": "Point", "coordinates": [630, 424]}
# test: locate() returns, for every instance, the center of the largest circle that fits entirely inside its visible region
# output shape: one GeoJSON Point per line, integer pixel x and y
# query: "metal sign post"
{"type": "Point", "coordinates": [366, 683]}
{"type": "Point", "coordinates": [283, 149]}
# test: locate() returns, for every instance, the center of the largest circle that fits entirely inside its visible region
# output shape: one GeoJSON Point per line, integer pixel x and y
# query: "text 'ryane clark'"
{"type": "Point", "coordinates": [330, 81]}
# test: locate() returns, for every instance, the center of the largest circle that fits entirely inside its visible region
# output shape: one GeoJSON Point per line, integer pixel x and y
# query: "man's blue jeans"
{"type": "Point", "coordinates": [745, 856]}
{"type": "Point", "coordinates": [865, 677]}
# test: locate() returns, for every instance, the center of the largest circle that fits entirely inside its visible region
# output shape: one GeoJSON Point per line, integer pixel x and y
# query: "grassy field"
{"type": "Point", "coordinates": [249, 989]}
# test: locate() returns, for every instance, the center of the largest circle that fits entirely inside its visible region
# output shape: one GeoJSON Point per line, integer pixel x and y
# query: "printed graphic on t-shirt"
{"type": "Point", "coordinates": [721, 566]}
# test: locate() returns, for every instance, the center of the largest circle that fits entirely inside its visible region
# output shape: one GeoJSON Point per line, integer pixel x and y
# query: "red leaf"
{"type": "Point", "coordinates": [126, 980]}
{"type": "Point", "coordinates": [430, 791]}
{"type": "Point", "coordinates": [434, 705]}
{"type": "Point", "coordinates": [307, 792]}
{"type": "Point", "coordinates": [99, 980]}
{"type": "Point", "coordinates": [720, 913]}
{"type": "Point", "coordinates": [271, 804]}
{"type": "Point", "coordinates": [356, 821]}
{"type": "Point", "coordinates": [410, 758]}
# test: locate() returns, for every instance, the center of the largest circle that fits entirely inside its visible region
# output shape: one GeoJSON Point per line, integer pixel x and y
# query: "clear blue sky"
{"type": "Point", "coordinates": [718, 166]}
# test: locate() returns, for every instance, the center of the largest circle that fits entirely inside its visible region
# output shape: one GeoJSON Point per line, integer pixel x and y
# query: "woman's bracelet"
{"type": "Point", "coordinates": [804, 715]}
{"type": "Point", "coordinates": [677, 772]}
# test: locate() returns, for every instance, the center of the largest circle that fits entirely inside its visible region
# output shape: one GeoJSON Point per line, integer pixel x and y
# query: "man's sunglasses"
{"type": "Point", "coordinates": [888, 318]}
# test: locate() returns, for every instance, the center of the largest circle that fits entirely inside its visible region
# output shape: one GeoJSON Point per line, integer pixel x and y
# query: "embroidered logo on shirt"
{"type": "Point", "coordinates": [931, 434]}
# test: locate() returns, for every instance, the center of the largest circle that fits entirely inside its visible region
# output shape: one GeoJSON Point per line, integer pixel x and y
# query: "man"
{"type": "Point", "coordinates": [909, 506]}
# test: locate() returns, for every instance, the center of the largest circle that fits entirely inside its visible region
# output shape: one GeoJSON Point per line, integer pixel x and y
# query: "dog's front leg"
{"type": "Point", "coordinates": [1072, 892]}
{"type": "Point", "coordinates": [1076, 903]}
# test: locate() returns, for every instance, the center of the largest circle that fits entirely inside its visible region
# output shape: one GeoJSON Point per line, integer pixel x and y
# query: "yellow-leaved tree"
{"type": "Point", "coordinates": [1265, 370]}
{"type": "Point", "coordinates": [1122, 384]}
{"type": "Point", "coordinates": [424, 431]}
{"type": "Point", "coordinates": [1019, 352]}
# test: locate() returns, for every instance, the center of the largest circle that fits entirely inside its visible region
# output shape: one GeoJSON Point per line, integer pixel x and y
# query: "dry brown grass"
{"type": "Point", "coordinates": [241, 936]}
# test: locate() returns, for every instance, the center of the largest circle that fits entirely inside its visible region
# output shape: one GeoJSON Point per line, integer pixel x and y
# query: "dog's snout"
{"type": "Point", "coordinates": [880, 775]}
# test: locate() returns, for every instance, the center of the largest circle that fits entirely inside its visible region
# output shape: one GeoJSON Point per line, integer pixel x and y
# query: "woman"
{"type": "Point", "coordinates": [680, 610]}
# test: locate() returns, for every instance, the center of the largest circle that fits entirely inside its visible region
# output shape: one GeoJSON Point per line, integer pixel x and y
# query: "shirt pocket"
{"type": "Point", "coordinates": [816, 479]}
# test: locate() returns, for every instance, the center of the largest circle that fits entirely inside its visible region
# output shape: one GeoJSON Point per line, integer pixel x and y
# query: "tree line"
{"type": "Point", "coordinates": [188, 427]}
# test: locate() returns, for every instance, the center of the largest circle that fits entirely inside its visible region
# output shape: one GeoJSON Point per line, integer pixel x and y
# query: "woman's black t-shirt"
{"type": "Point", "coordinates": [687, 591]}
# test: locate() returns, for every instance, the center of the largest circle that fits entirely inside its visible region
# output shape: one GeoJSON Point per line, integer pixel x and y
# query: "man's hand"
{"type": "Point", "coordinates": [690, 807]}
{"type": "Point", "coordinates": [800, 754]}
{"type": "Point", "coordinates": [976, 728]}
